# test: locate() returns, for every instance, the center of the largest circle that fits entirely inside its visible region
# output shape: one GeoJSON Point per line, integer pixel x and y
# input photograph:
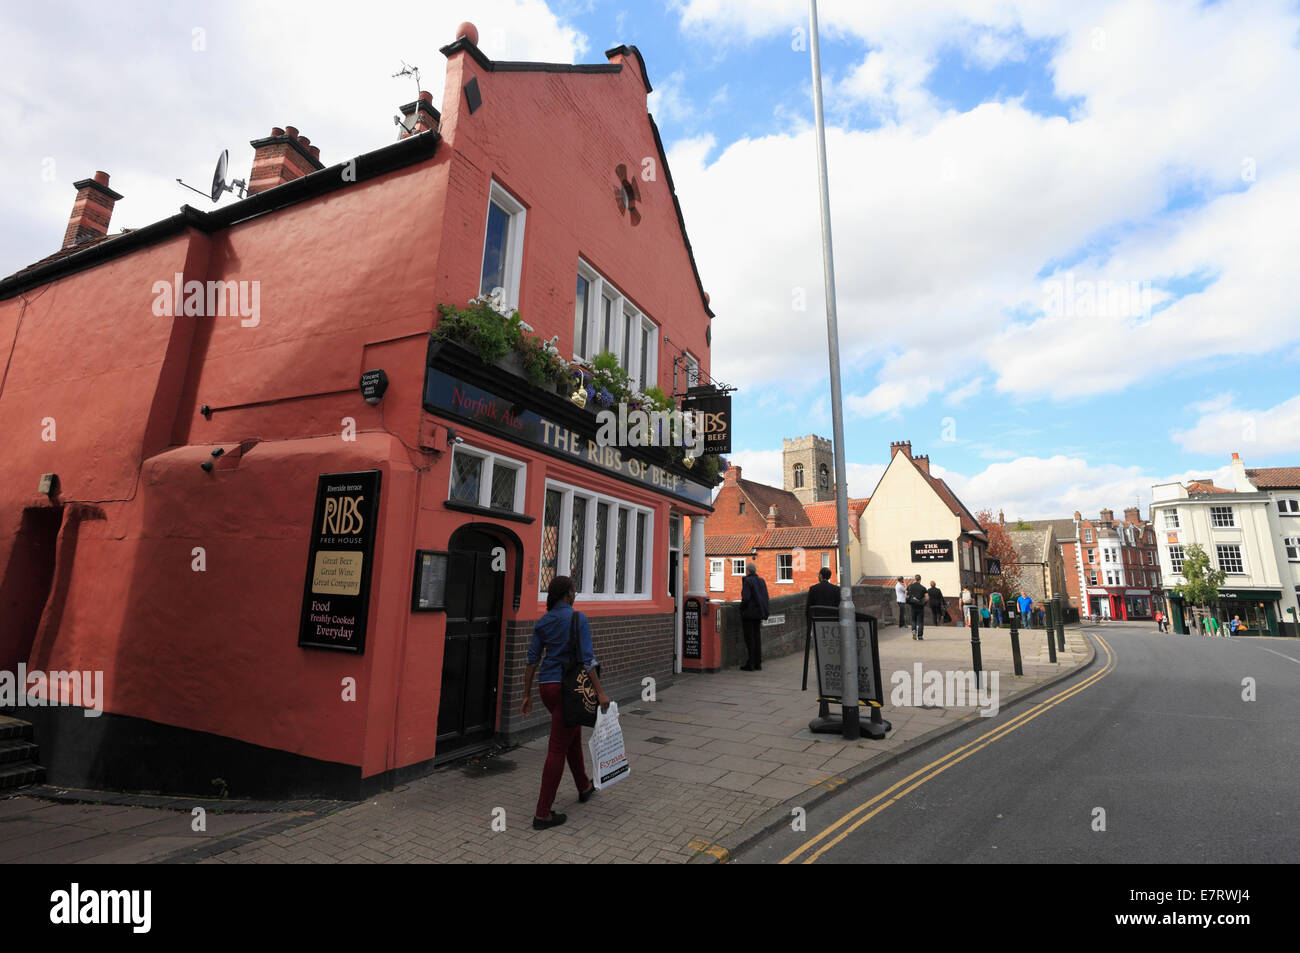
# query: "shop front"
{"type": "Point", "coordinates": [535, 491]}
{"type": "Point", "coordinates": [1256, 608]}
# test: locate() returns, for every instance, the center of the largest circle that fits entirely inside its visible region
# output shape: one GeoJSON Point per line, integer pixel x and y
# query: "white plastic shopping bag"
{"type": "Point", "coordinates": [608, 753]}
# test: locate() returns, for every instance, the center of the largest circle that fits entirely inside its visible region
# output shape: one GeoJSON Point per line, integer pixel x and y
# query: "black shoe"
{"type": "Point", "coordinates": [585, 796]}
{"type": "Point", "coordinates": [746, 668]}
{"type": "Point", "coordinates": [758, 668]}
{"type": "Point", "coordinates": [556, 820]}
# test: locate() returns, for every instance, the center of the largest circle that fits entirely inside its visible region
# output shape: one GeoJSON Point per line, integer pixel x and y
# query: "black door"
{"type": "Point", "coordinates": [467, 711]}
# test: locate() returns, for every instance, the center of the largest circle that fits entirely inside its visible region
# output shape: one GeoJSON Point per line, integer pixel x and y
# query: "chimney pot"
{"type": "Point", "coordinates": [92, 210]}
{"type": "Point", "coordinates": [282, 157]}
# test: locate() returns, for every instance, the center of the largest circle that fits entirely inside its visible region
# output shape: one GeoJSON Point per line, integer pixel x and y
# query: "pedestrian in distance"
{"type": "Point", "coordinates": [552, 635]}
{"type": "Point", "coordinates": [985, 616]}
{"type": "Point", "coordinates": [995, 606]}
{"type": "Point", "coordinates": [1026, 607]}
{"type": "Point", "coordinates": [916, 596]}
{"type": "Point", "coordinates": [753, 610]}
{"type": "Point", "coordinates": [965, 606]}
{"type": "Point", "coordinates": [900, 594]}
{"type": "Point", "coordinates": [1160, 621]}
{"type": "Point", "coordinates": [1236, 625]}
{"type": "Point", "coordinates": [935, 595]}
{"type": "Point", "coordinates": [822, 593]}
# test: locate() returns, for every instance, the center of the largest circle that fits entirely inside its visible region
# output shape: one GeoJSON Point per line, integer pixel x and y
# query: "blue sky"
{"type": "Point", "coordinates": [989, 164]}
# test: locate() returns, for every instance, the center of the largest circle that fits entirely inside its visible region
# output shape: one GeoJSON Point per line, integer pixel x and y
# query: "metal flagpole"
{"type": "Point", "coordinates": [848, 621]}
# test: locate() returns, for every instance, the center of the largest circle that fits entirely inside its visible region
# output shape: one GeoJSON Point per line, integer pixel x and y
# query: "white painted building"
{"type": "Point", "coordinates": [1248, 532]}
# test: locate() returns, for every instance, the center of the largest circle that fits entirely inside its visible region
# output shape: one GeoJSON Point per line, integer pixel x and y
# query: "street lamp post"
{"type": "Point", "coordinates": [848, 619]}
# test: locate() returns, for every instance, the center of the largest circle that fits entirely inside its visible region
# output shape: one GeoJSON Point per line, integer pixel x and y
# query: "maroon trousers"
{"type": "Point", "coordinates": [566, 743]}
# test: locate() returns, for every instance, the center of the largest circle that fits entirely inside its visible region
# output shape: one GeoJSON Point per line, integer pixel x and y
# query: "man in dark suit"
{"type": "Point", "coordinates": [823, 593]}
{"type": "Point", "coordinates": [753, 610]}
{"type": "Point", "coordinates": [916, 598]}
{"type": "Point", "coordinates": [936, 601]}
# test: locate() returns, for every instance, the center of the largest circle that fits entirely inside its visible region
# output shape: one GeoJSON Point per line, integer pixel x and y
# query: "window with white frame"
{"type": "Point", "coordinates": [1292, 544]}
{"type": "Point", "coordinates": [604, 544]}
{"type": "Point", "coordinates": [1092, 577]}
{"type": "Point", "coordinates": [604, 320]}
{"type": "Point", "coordinates": [1221, 517]}
{"type": "Point", "coordinates": [1288, 507]}
{"type": "Point", "coordinates": [826, 560]}
{"type": "Point", "coordinates": [1171, 519]}
{"type": "Point", "coordinates": [503, 245]}
{"type": "Point", "coordinates": [1230, 559]}
{"type": "Point", "coordinates": [785, 567]}
{"type": "Point", "coordinates": [1087, 535]}
{"type": "Point", "coordinates": [738, 567]}
{"type": "Point", "coordinates": [1092, 557]}
{"type": "Point", "coordinates": [480, 478]}
{"type": "Point", "coordinates": [1176, 556]}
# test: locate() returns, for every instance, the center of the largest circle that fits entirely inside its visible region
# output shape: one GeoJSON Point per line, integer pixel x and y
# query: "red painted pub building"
{"type": "Point", "coordinates": [304, 538]}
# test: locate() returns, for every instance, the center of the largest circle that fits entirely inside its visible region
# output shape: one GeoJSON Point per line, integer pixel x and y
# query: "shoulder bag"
{"type": "Point", "coordinates": [578, 694]}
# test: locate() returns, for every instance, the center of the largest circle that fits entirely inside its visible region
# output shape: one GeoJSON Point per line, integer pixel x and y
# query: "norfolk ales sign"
{"type": "Point", "coordinates": [336, 596]}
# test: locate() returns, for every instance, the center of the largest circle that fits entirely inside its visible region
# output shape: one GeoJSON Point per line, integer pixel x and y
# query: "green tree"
{"type": "Point", "coordinates": [1202, 580]}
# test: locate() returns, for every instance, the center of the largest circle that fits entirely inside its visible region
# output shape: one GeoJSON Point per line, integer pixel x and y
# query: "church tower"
{"type": "Point", "coordinates": [808, 465]}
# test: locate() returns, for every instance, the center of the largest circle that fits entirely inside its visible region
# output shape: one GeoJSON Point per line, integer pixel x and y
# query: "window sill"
{"type": "Point", "coordinates": [462, 507]}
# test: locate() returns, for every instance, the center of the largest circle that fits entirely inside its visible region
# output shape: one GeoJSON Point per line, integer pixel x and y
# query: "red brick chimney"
{"type": "Point", "coordinates": [771, 517]}
{"type": "Point", "coordinates": [1108, 516]}
{"type": "Point", "coordinates": [282, 157]}
{"type": "Point", "coordinates": [425, 116]}
{"type": "Point", "coordinates": [923, 463]}
{"type": "Point", "coordinates": [904, 445]}
{"type": "Point", "coordinates": [732, 475]}
{"type": "Point", "coordinates": [1132, 515]}
{"type": "Point", "coordinates": [91, 210]}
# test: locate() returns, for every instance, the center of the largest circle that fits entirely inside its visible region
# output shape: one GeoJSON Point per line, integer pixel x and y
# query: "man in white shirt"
{"type": "Point", "coordinates": [900, 594]}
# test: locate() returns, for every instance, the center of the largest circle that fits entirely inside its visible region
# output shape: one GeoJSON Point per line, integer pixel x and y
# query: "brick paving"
{"type": "Point", "coordinates": [712, 754]}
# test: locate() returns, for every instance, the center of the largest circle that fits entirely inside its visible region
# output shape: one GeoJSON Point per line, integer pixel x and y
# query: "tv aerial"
{"type": "Point", "coordinates": [219, 183]}
{"type": "Point", "coordinates": [409, 70]}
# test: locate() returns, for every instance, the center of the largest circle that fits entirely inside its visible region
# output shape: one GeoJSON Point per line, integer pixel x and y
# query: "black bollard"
{"type": "Point", "coordinates": [1014, 615]}
{"type": "Point", "coordinates": [1060, 624]}
{"type": "Point", "coordinates": [1051, 621]}
{"type": "Point", "coordinates": [975, 645]}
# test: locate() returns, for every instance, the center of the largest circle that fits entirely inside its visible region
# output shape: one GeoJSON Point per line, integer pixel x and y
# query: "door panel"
{"type": "Point", "coordinates": [467, 709]}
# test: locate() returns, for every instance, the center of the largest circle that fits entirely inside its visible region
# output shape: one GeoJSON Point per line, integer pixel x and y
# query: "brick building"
{"type": "Point", "coordinates": [193, 530]}
{"type": "Point", "coordinates": [788, 542]}
{"type": "Point", "coordinates": [1111, 566]}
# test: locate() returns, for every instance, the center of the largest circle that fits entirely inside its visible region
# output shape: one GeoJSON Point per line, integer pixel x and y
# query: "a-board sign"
{"type": "Point", "coordinates": [931, 550]}
{"type": "Point", "coordinates": [336, 595]}
{"type": "Point", "coordinates": [691, 612]}
{"type": "Point", "coordinates": [828, 644]}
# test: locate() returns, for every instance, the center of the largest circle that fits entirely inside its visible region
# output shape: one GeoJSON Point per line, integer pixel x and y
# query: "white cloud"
{"type": "Point", "coordinates": [942, 220]}
{"type": "Point", "coordinates": [1223, 429]}
{"type": "Point", "coordinates": [123, 89]}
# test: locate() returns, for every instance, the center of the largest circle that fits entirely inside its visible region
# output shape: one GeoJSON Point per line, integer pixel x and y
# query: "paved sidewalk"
{"type": "Point", "coordinates": [709, 755]}
{"type": "Point", "coordinates": [712, 754]}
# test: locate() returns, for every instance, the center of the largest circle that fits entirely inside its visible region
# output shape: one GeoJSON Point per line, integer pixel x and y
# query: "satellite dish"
{"type": "Point", "coordinates": [219, 183]}
{"type": "Point", "coordinates": [219, 176]}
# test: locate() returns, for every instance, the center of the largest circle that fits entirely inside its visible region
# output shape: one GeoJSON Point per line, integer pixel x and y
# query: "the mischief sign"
{"type": "Point", "coordinates": [712, 412]}
{"type": "Point", "coordinates": [336, 595]}
{"type": "Point", "coordinates": [931, 550]}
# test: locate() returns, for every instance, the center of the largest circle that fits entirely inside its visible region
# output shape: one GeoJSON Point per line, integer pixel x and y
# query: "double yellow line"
{"type": "Point", "coordinates": [938, 766]}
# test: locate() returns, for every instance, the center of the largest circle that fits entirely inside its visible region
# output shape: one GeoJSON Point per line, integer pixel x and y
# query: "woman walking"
{"type": "Point", "coordinates": [552, 634]}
